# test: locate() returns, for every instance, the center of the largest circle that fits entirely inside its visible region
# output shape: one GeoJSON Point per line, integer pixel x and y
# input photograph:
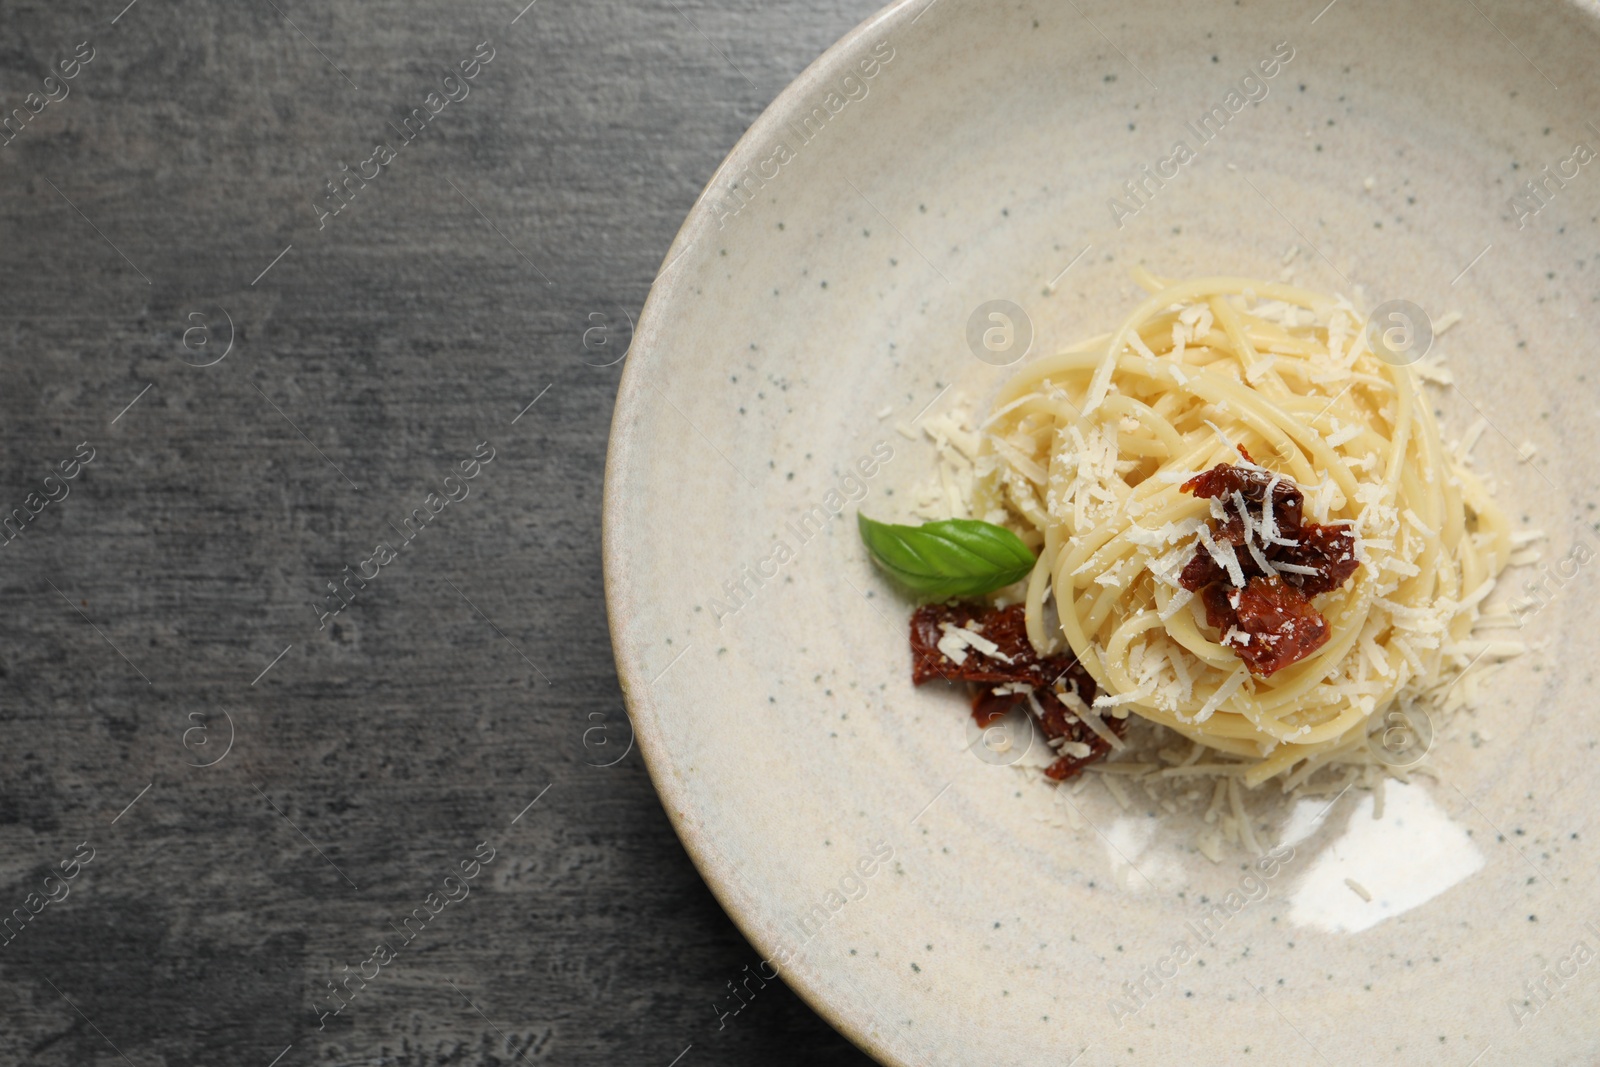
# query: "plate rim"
{"type": "Point", "coordinates": [665, 290]}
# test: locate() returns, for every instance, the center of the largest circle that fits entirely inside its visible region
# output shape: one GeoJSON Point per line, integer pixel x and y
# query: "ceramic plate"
{"type": "Point", "coordinates": [940, 908]}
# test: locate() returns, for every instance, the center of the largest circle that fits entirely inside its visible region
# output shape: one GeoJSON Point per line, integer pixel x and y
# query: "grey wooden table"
{"type": "Point", "coordinates": [311, 317]}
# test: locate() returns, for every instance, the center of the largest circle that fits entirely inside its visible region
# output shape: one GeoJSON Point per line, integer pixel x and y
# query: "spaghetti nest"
{"type": "Point", "coordinates": [1087, 453]}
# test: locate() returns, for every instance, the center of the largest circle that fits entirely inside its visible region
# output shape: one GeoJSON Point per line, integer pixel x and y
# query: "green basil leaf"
{"type": "Point", "coordinates": [952, 558]}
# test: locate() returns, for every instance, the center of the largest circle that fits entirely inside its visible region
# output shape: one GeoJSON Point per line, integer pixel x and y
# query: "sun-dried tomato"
{"type": "Point", "coordinates": [987, 705]}
{"type": "Point", "coordinates": [1275, 625]}
{"type": "Point", "coordinates": [1223, 480]}
{"type": "Point", "coordinates": [1057, 721]}
{"type": "Point", "coordinates": [1014, 662]}
{"type": "Point", "coordinates": [1330, 549]}
{"type": "Point", "coordinates": [1220, 600]}
{"type": "Point", "coordinates": [1203, 571]}
{"type": "Point", "coordinates": [1271, 616]}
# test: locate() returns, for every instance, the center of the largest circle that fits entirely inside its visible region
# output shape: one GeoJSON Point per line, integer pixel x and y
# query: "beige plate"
{"type": "Point", "coordinates": [937, 908]}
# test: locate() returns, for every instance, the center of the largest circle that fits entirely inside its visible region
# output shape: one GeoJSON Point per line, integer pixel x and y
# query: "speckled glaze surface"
{"type": "Point", "coordinates": [940, 909]}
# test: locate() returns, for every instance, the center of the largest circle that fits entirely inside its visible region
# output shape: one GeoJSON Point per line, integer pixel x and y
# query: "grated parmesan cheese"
{"type": "Point", "coordinates": [957, 639]}
{"type": "Point", "coordinates": [1222, 693]}
{"type": "Point", "coordinates": [1118, 793]}
{"type": "Point", "coordinates": [1225, 557]}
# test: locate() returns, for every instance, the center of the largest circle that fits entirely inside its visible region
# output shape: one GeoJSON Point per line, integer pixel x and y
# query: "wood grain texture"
{"type": "Point", "coordinates": [386, 343]}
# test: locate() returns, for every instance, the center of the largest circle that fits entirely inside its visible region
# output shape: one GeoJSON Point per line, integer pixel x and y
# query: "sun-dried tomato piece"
{"type": "Point", "coordinates": [1275, 625]}
{"type": "Point", "coordinates": [987, 705]}
{"type": "Point", "coordinates": [1202, 571]}
{"type": "Point", "coordinates": [1072, 729]}
{"type": "Point", "coordinates": [927, 662]}
{"type": "Point", "coordinates": [1066, 768]}
{"type": "Point", "coordinates": [1330, 549]}
{"type": "Point", "coordinates": [1014, 659]}
{"type": "Point", "coordinates": [1223, 480]}
{"type": "Point", "coordinates": [1013, 662]}
{"type": "Point", "coordinates": [927, 630]}
{"type": "Point", "coordinates": [1231, 529]}
{"type": "Point", "coordinates": [1218, 481]}
{"type": "Point", "coordinates": [1066, 674]}
{"type": "Point", "coordinates": [1218, 598]}
{"type": "Point", "coordinates": [1058, 720]}
{"type": "Point", "coordinates": [1269, 622]}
